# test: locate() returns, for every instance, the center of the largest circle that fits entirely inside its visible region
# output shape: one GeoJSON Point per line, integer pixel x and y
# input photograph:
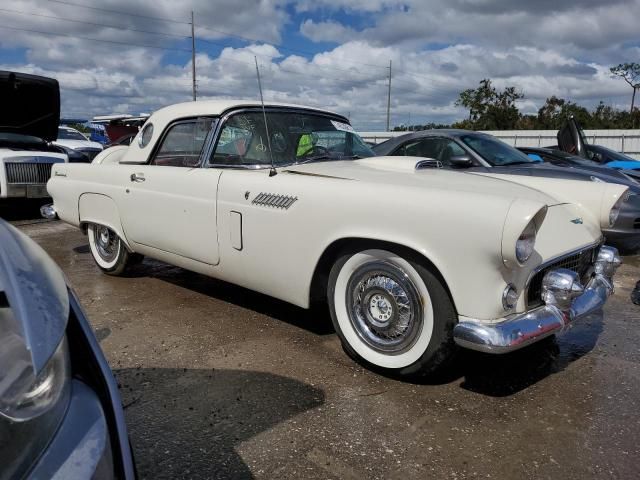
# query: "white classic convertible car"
{"type": "Point", "coordinates": [284, 200]}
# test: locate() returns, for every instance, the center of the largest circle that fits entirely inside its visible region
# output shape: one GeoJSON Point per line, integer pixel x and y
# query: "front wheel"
{"type": "Point", "coordinates": [109, 252]}
{"type": "Point", "coordinates": [391, 313]}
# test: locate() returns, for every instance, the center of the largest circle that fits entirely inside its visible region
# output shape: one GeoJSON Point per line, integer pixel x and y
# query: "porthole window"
{"type": "Point", "coordinates": [145, 137]}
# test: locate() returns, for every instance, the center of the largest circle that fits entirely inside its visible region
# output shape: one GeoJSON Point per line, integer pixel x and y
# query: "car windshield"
{"type": "Point", "coordinates": [612, 154]}
{"type": "Point", "coordinates": [64, 134]}
{"type": "Point", "coordinates": [293, 138]}
{"type": "Point", "coordinates": [494, 151]}
{"type": "Point", "coordinates": [558, 157]}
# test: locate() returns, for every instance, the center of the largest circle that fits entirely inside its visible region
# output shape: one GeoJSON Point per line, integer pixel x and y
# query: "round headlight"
{"type": "Point", "coordinates": [23, 394]}
{"type": "Point", "coordinates": [525, 243]}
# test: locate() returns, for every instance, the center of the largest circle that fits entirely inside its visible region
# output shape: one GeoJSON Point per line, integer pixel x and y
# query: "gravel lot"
{"type": "Point", "coordinates": [221, 382]}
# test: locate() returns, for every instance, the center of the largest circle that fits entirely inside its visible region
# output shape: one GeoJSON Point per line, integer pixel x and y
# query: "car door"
{"type": "Point", "coordinates": [170, 203]}
{"type": "Point", "coordinates": [571, 139]}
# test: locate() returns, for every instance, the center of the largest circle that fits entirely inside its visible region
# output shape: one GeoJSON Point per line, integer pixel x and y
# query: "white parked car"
{"type": "Point", "coordinates": [77, 145]}
{"type": "Point", "coordinates": [28, 123]}
{"type": "Point", "coordinates": [412, 259]}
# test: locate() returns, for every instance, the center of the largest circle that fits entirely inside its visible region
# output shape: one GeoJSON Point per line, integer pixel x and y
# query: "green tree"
{"type": "Point", "coordinates": [555, 111]}
{"type": "Point", "coordinates": [488, 108]}
{"type": "Point", "coordinates": [630, 73]}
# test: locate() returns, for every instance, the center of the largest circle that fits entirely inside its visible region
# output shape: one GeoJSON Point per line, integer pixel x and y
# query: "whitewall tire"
{"type": "Point", "coordinates": [108, 250]}
{"type": "Point", "coordinates": [391, 312]}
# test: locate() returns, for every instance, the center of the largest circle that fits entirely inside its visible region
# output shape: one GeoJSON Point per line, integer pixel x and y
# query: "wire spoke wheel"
{"type": "Point", "coordinates": [384, 307]}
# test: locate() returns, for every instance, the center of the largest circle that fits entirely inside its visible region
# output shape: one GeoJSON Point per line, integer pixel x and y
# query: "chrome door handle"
{"type": "Point", "coordinates": [137, 177]}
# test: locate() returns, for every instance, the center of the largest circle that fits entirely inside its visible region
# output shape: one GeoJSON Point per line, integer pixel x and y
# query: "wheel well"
{"type": "Point", "coordinates": [320, 279]}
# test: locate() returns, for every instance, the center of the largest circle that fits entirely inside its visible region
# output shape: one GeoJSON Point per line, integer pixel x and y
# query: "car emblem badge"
{"type": "Point", "coordinates": [577, 221]}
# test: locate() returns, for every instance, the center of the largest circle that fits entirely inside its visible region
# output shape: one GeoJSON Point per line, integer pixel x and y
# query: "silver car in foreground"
{"type": "Point", "coordinates": [60, 410]}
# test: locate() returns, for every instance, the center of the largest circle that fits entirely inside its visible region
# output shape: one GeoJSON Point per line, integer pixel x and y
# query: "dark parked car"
{"type": "Point", "coordinates": [60, 410]}
{"type": "Point", "coordinates": [571, 139]}
{"type": "Point", "coordinates": [481, 153]}
{"type": "Point", "coordinates": [563, 159]}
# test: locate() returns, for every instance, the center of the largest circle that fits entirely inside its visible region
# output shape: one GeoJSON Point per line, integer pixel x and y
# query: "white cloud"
{"type": "Point", "coordinates": [326, 31]}
{"type": "Point", "coordinates": [542, 49]}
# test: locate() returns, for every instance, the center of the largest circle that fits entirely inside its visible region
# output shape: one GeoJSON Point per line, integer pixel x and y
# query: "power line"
{"type": "Point", "coordinates": [30, 14]}
{"type": "Point", "coordinates": [278, 66]}
{"type": "Point", "coordinates": [222, 32]}
{"type": "Point", "coordinates": [162, 19]}
{"type": "Point", "coordinates": [115, 42]}
{"type": "Point", "coordinates": [274, 65]}
{"type": "Point", "coordinates": [202, 27]}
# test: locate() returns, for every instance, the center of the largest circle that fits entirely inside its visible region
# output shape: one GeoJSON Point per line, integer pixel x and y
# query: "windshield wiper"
{"type": "Point", "coordinates": [519, 162]}
{"type": "Point", "coordinates": [315, 158]}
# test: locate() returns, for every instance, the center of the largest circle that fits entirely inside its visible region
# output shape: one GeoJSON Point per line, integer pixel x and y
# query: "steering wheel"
{"type": "Point", "coordinates": [316, 150]}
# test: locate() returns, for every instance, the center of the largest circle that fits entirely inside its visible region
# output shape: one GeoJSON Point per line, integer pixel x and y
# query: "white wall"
{"type": "Point", "coordinates": [627, 141]}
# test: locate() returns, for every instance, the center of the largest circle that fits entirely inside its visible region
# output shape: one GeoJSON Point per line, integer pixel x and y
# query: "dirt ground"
{"type": "Point", "coordinates": [221, 382]}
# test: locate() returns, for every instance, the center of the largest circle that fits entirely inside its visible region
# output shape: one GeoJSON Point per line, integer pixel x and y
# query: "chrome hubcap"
{"type": "Point", "coordinates": [384, 307]}
{"type": "Point", "coordinates": [107, 243]}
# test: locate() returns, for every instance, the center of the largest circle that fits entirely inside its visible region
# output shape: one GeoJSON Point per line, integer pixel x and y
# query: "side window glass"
{"type": "Point", "coordinates": [243, 141]}
{"type": "Point", "coordinates": [182, 144]}
{"type": "Point", "coordinates": [441, 149]}
{"type": "Point", "coordinates": [233, 144]}
{"type": "Point", "coordinates": [409, 149]}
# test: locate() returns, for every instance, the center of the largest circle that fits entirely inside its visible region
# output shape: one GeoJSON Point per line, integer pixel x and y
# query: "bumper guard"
{"type": "Point", "coordinates": [565, 301]}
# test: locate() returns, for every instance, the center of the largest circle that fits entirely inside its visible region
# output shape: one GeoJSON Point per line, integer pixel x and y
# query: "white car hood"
{"type": "Point", "coordinates": [75, 144]}
{"type": "Point", "coordinates": [401, 171]}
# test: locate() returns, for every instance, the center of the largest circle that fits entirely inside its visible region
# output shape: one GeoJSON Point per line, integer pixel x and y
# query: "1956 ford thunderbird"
{"type": "Point", "coordinates": [284, 200]}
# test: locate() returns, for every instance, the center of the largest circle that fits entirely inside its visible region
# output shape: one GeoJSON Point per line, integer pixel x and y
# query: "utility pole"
{"type": "Point", "coordinates": [193, 58]}
{"type": "Point", "coordinates": [389, 100]}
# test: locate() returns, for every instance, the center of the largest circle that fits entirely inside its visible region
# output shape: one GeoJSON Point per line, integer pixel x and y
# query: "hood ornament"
{"type": "Point", "coordinates": [577, 221]}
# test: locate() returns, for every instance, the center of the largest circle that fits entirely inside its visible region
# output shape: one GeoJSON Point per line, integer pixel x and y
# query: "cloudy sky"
{"type": "Point", "coordinates": [123, 56]}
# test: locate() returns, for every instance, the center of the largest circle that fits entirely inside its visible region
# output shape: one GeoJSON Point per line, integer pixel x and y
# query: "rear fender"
{"type": "Point", "coordinates": [102, 210]}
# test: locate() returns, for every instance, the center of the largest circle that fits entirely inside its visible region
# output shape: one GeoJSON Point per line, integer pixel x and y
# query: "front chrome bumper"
{"type": "Point", "coordinates": [526, 328]}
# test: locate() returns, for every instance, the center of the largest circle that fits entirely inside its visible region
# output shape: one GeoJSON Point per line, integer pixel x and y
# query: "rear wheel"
{"type": "Point", "coordinates": [108, 250]}
{"type": "Point", "coordinates": [391, 312]}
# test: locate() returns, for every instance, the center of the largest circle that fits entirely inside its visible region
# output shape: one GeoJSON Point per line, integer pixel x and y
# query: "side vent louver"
{"type": "Point", "coordinates": [273, 200]}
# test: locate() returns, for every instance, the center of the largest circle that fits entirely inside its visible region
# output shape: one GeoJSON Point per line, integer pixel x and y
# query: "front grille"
{"type": "Point", "coordinates": [28, 173]}
{"type": "Point", "coordinates": [580, 263]}
{"type": "Point", "coordinates": [90, 153]}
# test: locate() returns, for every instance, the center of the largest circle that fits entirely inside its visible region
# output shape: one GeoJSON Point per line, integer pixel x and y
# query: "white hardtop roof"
{"type": "Point", "coordinates": [217, 107]}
